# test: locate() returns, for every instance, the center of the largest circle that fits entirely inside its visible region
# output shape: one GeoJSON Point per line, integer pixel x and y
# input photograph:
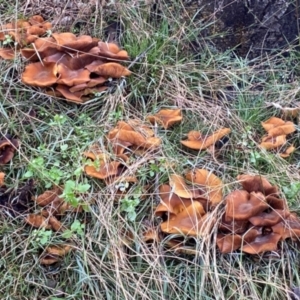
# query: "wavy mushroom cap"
{"type": "Point", "coordinates": [192, 222]}
{"type": "Point", "coordinates": [209, 182]}
{"type": "Point", "coordinates": [262, 243]}
{"type": "Point", "coordinates": [241, 205]}
{"type": "Point", "coordinates": [257, 183]}
{"type": "Point", "coordinates": [37, 74]}
{"type": "Point", "coordinates": [166, 117]}
{"type": "Point", "coordinates": [197, 141]}
{"type": "Point", "coordinates": [171, 204]}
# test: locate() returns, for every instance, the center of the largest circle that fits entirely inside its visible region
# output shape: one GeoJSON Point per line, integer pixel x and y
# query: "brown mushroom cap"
{"type": "Point", "coordinates": [68, 41]}
{"type": "Point", "coordinates": [37, 74]}
{"type": "Point", "coordinates": [48, 196]}
{"type": "Point", "coordinates": [2, 175]}
{"type": "Point", "coordinates": [112, 69]}
{"type": "Point", "coordinates": [197, 141]}
{"type": "Point", "coordinates": [257, 183]}
{"type": "Point", "coordinates": [233, 226]}
{"type": "Point", "coordinates": [289, 228]}
{"type": "Point", "coordinates": [269, 218]}
{"type": "Point", "coordinates": [269, 142]}
{"type": "Point", "coordinates": [277, 203]}
{"type": "Point", "coordinates": [180, 188]}
{"type": "Point", "coordinates": [171, 203]}
{"type": "Point", "coordinates": [190, 221]}
{"type": "Point", "coordinates": [8, 147]}
{"type": "Point", "coordinates": [166, 117]}
{"type": "Point", "coordinates": [111, 50]}
{"type": "Point", "coordinates": [262, 243]}
{"type": "Point", "coordinates": [210, 184]}
{"type": "Point", "coordinates": [72, 77]}
{"type": "Point", "coordinates": [71, 96]}
{"type": "Point", "coordinates": [241, 205]}
{"type": "Point", "coordinates": [37, 221]}
{"type": "Point", "coordinates": [7, 53]}
{"type": "Point", "coordinates": [229, 242]}
{"type": "Point", "coordinates": [132, 138]}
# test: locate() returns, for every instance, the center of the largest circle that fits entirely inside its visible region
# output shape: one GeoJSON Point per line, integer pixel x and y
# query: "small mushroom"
{"type": "Point", "coordinates": [38, 221]}
{"type": "Point", "coordinates": [7, 53]}
{"type": "Point", "coordinates": [288, 228]}
{"type": "Point", "coordinates": [2, 175]}
{"type": "Point", "coordinates": [8, 147]}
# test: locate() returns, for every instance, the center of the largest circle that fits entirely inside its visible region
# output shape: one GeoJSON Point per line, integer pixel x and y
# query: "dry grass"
{"type": "Point", "coordinates": [213, 90]}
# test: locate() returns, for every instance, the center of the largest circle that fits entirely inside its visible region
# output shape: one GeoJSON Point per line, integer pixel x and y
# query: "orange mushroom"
{"type": "Point", "coordinates": [76, 97]}
{"type": "Point", "coordinates": [197, 141]}
{"type": "Point", "coordinates": [59, 250]}
{"type": "Point", "coordinates": [229, 242]}
{"type": "Point", "coordinates": [192, 221]}
{"type": "Point", "coordinates": [180, 188]}
{"type": "Point", "coordinates": [166, 117]}
{"type": "Point", "coordinates": [210, 183]}
{"type": "Point", "coordinates": [38, 74]}
{"type": "Point", "coordinates": [268, 219]}
{"type": "Point", "coordinates": [288, 228]}
{"type": "Point", "coordinates": [257, 183]}
{"type": "Point", "coordinates": [38, 221]}
{"type": "Point", "coordinates": [2, 175]}
{"type": "Point", "coordinates": [8, 147]}
{"type": "Point", "coordinates": [111, 50]}
{"type": "Point", "coordinates": [111, 69]}
{"type": "Point", "coordinates": [48, 196]}
{"type": "Point", "coordinates": [262, 243]}
{"type": "Point", "coordinates": [276, 137]}
{"type": "Point", "coordinates": [71, 77]}
{"type": "Point", "coordinates": [125, 137]}
{"type": "Point", "coordinates": [241, 205]}
{"type": "Point", "coordinates": [7, 53]}
{"type": "Point", "coordinates": [171, 204]}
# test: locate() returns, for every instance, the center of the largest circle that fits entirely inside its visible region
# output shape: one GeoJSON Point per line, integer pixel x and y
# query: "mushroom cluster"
{"type": "Point", "coordinates": [123, 140]}
{"type": "Point", "coordinates": [186, 208]}
{"type": "Point", "coordinates": [74, 67]}
{"type": "Point", "coordinates": [275, 139]}
{"type": "Point", "coordinates": [255, 218]}
{"type": "Point", "coordinates": [52, 206]}
{"type": "Point", "coordinates": [22, 33]}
